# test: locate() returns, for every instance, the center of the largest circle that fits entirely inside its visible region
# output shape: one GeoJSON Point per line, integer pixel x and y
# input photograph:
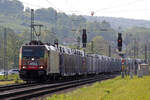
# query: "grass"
{"type": "Point", "coordinates": [114, 89]}
{"type": "Point", "coordinates": [14, 79]}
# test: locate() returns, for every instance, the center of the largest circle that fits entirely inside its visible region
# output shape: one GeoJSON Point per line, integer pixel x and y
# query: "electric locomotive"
{"type": "Point", "coordinates": [32, 61]}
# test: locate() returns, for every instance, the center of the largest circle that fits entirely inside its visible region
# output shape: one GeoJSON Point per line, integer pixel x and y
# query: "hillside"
{"type": "Point", "coordinates": [103, 31]}
{"type": "Point", "coordinates": [60, 25]}
{"type": "Point", "coordinates": [120, 22]}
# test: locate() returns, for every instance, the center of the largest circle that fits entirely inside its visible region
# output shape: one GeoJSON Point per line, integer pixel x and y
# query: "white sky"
{"type": "Point", "coordinates": [136, 9]}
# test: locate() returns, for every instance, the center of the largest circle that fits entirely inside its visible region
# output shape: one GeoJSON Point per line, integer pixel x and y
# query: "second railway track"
{"type": "Point", "coordinates": [15, 86]}
{"type": "Point", "coordinates": [42, 89]}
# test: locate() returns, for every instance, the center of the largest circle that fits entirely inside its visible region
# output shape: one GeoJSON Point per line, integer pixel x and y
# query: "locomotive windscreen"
{"type": "Point", "coordinates": [32, 51]}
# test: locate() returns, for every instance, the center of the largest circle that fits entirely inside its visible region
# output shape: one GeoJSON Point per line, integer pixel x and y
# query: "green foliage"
{"type": "Point", "coordinates": [60, 26]}
{"type": "Point", "coordinates": [137, 37]}
{"type": "Point", "coordinates": [100, 46]}
{"type": "Point", "coordinates": [10, 77]}
{"type": "Point", "coordinates": [114, 89]}
{"type": "Point", "coordinates": [14, 79]}
{"type": "Point", "coordinates": [13, 46]}
{"type": "Point", "coordinates": [9, 7]}
{"type": "Point", "coordinates": [58, 23]}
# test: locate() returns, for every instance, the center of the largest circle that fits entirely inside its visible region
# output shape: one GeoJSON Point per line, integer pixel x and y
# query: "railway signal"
{"type": "Point", "coordinates": [119, 42]}
{"type": "Point", "coordinates": [84, 38]}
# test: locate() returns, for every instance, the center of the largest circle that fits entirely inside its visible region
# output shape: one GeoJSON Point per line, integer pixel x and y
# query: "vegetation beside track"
{"type": "Point", "coordinates": [11, 79]}
{"type": "Point", "coordinates": [113, 89]}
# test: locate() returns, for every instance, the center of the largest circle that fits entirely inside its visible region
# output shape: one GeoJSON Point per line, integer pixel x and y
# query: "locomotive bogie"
{"type": "Point", "coordinates": [32, 75]}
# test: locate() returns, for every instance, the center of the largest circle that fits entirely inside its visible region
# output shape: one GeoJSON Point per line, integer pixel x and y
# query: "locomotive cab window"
{"type": "Point", "coordinates": [32, 51]}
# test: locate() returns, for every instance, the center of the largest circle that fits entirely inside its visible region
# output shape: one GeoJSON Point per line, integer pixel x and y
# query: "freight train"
{"type": "Point", "coordinates": [43, 61]}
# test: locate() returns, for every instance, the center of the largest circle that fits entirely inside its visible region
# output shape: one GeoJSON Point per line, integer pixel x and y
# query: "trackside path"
{"type": "Point", "coordinates": [112, 89]}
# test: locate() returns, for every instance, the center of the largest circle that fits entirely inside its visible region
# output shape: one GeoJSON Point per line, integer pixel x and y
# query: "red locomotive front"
{"type": "Point", "coordinates": [32, 62]}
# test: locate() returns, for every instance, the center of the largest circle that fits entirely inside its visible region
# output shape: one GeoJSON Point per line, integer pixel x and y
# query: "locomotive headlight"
{"type": "Point", "coordinates": [32, 59]}
{"type": "Point", "coordinates": [24, 67]}
{"type": "Point", "coordinates": [41, 67]}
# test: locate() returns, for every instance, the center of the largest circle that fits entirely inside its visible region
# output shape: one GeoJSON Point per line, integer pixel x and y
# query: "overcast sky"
{"type": "Point", "coordinates": [136, 9]}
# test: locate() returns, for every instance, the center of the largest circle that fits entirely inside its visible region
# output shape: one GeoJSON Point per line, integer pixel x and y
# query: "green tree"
{"type": "Point", "coordinates": [100, 46]}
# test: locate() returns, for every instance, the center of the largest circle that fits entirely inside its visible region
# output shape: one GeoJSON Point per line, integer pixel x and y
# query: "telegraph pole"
{"type": "Point", "coordinates": [33, 26]}
{"type": "Point", "coordinates": [32, 23]}
{"type": "Point", "coordinates": [37, 34]}
{"type": "Point", "coordinates": [145, 53]}
{"type": "Point", "coordinates": [5, 54]}
{"type": "Point", "coordinates": [134, 49]}
{"type": "Point", "coordinates": [92, 46]}
{"type": "Point", "coordinates": [109, 50]}
{"type": "Point", "coordinates": [78, 42]}
{"type": "Point", "coordinates": [137, 50]}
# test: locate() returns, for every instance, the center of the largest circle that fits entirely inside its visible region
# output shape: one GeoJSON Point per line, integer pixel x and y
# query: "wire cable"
{"type": "Point", "coordinates": [119, 5]}
{"type": "Point", "coordinates": [54, 6]}
{"type": "Point", "coordinates": [32, 4]}
{"type": "Point", "coordinates": [97, 11]}
{"type": "Point", "coordinates": [108, 8]}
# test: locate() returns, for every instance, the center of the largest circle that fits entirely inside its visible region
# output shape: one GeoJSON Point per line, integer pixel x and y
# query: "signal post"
{"type": "Point", "coordinates": [119, 41]}
{"type": "Point", "coordinates": [84, 41]}
{"type": "Point", "coordinates": [123, 68]}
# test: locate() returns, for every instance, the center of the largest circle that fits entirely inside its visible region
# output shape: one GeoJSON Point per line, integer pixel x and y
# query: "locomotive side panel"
{"type": "Point", "coordinates": [54, 62]}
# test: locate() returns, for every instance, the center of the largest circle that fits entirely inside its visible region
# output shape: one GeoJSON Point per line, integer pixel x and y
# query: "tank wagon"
{"type": "Point", "coordinates": [42, 61]}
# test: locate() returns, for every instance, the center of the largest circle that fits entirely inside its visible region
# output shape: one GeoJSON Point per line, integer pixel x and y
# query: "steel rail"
{"type": "Point", "coordinates": [39, 90]}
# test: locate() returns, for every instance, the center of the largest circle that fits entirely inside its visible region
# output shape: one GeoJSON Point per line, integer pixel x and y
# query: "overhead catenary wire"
{"type": "Point", "coordinates": [108, 8]}
{"type": "Point", "coordinates": [105, 10]}
{"type": "Point", "coordinates": [54, 6]}
{"type": "Point", "coordinates": [126, 11]}
{"type": "Point", "coordinates": [38, 6]}
{"type": "Point", "coordinates": [119, 5]}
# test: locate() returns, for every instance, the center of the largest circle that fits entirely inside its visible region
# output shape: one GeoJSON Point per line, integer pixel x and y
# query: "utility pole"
{"type": "Point", "coordinates": [92, 46]}
{"type": "Point", "coordinates": [78, 42]}
{"type": "Point", "coordinates": [145, 53]}
{"type": "Point", "coordinates": [78, 31]}
{"type": "Point", "coordinates": [32, 23]}
{"type": "Point", "coordinates": [134, 48]}
{"type": "Point", "coordinates": [38, 34]}
{"type": "Point", "coordinates": [55, 25]}
{"type": "Point", "coordinates": [5, 54]}
{"type": "Point", "coordinates": [137, 48]}
{"type": "Point", "coordinates": [33, 27]}
{"type": "Point", "coordinates": [78, 38]}
{"type": "Point", "coordinates": [109, 50]}
{"type": "Point", "coordinates": [55, 22]}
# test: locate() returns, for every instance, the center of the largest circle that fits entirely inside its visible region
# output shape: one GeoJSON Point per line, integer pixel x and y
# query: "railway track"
{"type": "Point", "coordinates": [38, 90]}
{"type": "Point", "coordinates": [15, 86]}
{"type": "Point", "coordinates": [23, 85]}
